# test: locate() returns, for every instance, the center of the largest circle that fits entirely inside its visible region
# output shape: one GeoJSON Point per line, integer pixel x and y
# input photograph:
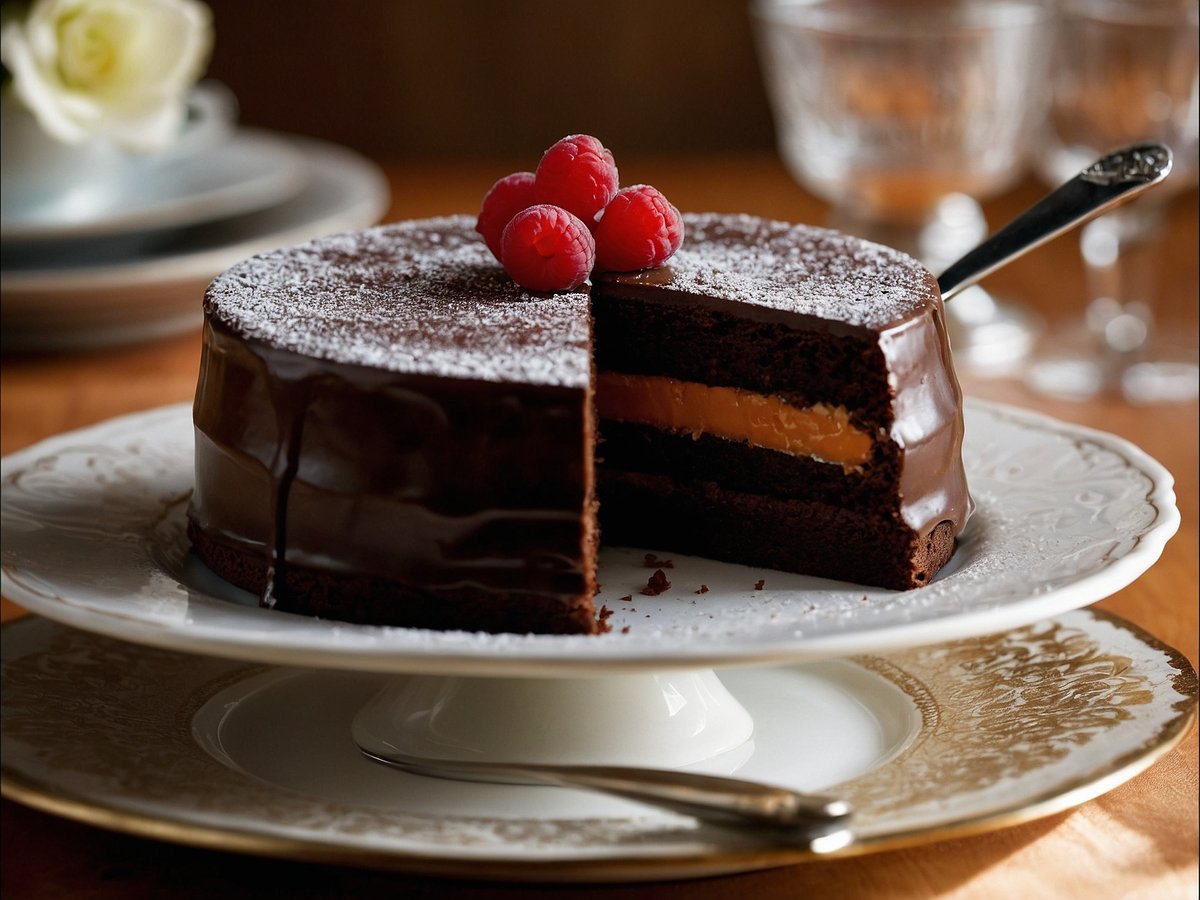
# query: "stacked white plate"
{"type": "Point", "coordinates": [134, 267]}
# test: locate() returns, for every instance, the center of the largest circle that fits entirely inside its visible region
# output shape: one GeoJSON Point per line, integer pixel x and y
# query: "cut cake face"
{"type": "Point", "coordinates": [782, 396]}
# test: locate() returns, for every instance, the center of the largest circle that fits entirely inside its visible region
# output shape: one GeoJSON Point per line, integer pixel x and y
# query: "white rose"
{"type": "Point", "coordinates": [119, 69]}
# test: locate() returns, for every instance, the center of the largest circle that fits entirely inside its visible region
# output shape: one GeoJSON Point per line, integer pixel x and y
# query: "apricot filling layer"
{"type": "Point", "coordinates": [735, 414]}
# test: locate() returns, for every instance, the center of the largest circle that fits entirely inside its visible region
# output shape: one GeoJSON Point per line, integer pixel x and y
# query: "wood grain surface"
{"type": "Point", "coordinates": [1139, 840]}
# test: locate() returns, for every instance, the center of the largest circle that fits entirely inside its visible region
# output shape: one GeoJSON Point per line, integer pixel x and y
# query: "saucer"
{"type": "Point", "coordinates": [93, 296]}
{"type": "Point", "coordinates": [251, 171]}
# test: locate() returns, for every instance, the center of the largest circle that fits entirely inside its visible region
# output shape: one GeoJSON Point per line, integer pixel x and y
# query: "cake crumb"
{"type": "Point", "coordinates": [604, 613]}
{"type": "Point", "coordinates": [597, 592]}
{"type": "Point", "coordinates": [656, 584]}
{"type": "Point", "coordinates": [625, 630]}
{"type": "Point", "coordinates": [626, 598]}
{"type": "Point", "coordinates": [758, 585]}
{"type": "Point", "coordinates": [653, 562]}
{"type": "Point", "coordinates": [703, 589]}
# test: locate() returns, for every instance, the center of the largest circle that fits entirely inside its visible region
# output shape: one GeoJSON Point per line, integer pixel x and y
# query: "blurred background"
{"type": "Point", "coordinates": [481, 78]}
{"type": "Point", "coordinates": [468, 80]}
{"type": "Point", "coordinates": [916, 123]}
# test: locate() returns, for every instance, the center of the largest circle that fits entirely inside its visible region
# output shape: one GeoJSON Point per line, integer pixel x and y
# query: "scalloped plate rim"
{"type": "Point", "coordinates": [375, 648]}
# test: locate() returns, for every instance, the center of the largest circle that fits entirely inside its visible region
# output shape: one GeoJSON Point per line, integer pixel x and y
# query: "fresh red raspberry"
{"type": "Point", "coordinates": [545, 248]}
{"type": "Point", "coordinates": [505, 199]}
{"type": "Point", "coordinates": [639, 229]}
{"type": "Point", "coordinates": [579, 175]}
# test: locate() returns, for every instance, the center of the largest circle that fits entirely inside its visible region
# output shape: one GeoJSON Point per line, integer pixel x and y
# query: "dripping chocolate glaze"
{"type": "Point", "coordinates": [290, 408]}
{"type": "Point", "coordinates": [287, 394]}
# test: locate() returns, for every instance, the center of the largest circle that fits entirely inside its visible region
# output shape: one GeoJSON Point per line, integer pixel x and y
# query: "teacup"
{"type": "Point", "coordinates": [46, 179]}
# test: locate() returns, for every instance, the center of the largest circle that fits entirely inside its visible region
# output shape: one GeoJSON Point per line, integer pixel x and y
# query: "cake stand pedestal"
{"type": "Point", "coordinates": [662, 720]}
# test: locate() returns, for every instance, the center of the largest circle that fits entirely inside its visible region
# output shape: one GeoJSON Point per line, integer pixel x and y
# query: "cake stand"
{"type": "Point", "coordinates": [986, 698]}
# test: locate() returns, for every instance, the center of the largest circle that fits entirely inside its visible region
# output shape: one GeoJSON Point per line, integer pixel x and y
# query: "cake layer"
{"type": "Point", "coordinates": [812, 537]}
{"type": "Point", "coordinates": [671, 333]}
{"type": "Point", "coordinates": [804, 313]}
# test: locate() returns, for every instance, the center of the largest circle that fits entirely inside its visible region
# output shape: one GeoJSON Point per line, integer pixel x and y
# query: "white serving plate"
{"type": "Point", "coordinates": [93, 535]}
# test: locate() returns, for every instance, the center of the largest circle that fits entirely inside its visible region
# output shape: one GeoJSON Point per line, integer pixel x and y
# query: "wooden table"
{"type": "Point", "coordinates": [1139, 840]}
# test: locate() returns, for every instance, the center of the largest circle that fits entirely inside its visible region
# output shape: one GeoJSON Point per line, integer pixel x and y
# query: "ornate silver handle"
{"type": "Point", "coordinates": [1110, 180]}
{"type": "Point", "coordinates": [820, 822]}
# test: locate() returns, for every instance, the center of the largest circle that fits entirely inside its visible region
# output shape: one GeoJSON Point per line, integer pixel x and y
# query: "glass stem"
{"type": "Point", "coordinates": [1120, 253]}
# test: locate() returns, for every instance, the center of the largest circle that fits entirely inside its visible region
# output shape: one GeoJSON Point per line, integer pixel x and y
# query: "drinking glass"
{"type": "Point", "coordinates": [902, 114]}
{"type": "Point", "coordinates": [1125, 72]}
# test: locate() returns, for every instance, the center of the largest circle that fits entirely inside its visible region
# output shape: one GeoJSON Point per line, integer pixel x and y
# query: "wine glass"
{"type": "Point", "coordinates": [902, 114]}
{"type": "Point", "coordinates": [1125, 71]}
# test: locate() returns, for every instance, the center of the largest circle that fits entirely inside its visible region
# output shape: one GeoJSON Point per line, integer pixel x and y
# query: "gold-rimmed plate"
{"type": "Point", "coordinates": [975, 734]}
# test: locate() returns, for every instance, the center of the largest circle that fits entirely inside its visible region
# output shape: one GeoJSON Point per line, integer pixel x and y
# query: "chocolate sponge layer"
{"type": "Point", "coordinates": [807, 536]}
{"type": "Point", "coordinates": [684, 339]}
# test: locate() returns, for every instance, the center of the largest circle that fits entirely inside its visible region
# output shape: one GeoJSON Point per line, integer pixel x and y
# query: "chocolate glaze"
{"type": "Point", "coordinates": [387, 429]}
{"type": "Point", "coordinates": [428, 483]}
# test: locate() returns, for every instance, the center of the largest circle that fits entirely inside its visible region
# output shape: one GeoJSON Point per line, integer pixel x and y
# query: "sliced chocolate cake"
{"type": "Point", "coordinates": [781, 396]}
{"type": "Point", "coordinates": [390, 430]}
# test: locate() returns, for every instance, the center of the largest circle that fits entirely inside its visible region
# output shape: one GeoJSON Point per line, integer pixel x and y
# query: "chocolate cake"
{"type": "Point", "coordinates": [390, 430]}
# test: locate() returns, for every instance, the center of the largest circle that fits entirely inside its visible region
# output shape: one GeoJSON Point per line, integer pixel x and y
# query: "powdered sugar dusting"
{"type": "Point", "coordinates": [426, 297]}
{"type": "Point", "coordinates": [420, 297]}
{"type": "Point", "coordinates": [796, 269]}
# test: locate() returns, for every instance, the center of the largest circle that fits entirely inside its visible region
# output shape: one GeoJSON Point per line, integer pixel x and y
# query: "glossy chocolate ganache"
{"type": "Point", "coordinates": [389, 430]}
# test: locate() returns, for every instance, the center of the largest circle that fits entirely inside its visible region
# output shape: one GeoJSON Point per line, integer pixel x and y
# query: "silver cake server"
{"type": "Point", "coordinates": [1110, 180]}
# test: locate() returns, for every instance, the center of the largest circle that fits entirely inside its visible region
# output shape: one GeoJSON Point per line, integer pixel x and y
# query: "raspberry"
{"type": "Point", "coordinates": [505, 199]}
{"type": "Point", "coordinates": [639, 229]}
{"type": "Point", "coordinates": [545, 248]}
{"type": "Point", "coordinates": [579, 175]}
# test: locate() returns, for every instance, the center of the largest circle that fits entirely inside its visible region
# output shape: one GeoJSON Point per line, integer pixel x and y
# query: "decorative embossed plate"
{"type": "Point", "coordinates": [93, 535]}
{"type": "Point", "coordinates": [927, 744]}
